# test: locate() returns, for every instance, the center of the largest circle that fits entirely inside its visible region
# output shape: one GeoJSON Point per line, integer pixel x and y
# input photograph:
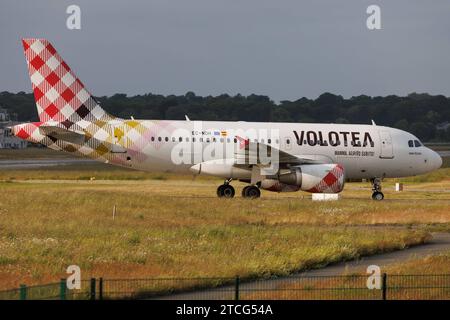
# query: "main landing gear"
{"type": "Point", "coordinates": [376, 187]}
{"type": "Point", "coordinates": [226, 190]}
{"type": "Point", "coordinates": [251, 192]}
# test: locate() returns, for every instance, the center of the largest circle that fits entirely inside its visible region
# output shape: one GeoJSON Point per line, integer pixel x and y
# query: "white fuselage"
{"type": "Point", "coordinates": [365, 151]}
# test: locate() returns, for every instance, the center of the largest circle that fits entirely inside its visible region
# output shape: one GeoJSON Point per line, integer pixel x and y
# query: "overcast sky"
{"type": "Point", "coordinates": [284, 49]}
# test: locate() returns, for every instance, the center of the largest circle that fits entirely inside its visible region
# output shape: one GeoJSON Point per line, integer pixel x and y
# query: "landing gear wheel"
{"type": "Point", "coordinates": [376, 188]}
{"type": "Point", "coordinates": [244, 191]}
{"type": "Point", "coordinates": [225, 191]}
{"type": "Point", "coordinates": [220, 191]}
{"type": "Point", "coordinates": [378, 196]}
{"type": "Point", "coordinates": [251, 192]}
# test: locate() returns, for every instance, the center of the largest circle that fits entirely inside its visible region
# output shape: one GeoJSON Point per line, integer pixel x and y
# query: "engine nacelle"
{"type": "Point", "coordinates": [315, 178]}
{"type": "Point", "coordinates": [276, 186]}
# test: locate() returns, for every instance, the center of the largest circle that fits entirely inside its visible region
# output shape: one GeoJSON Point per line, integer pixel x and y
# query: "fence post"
{"type": "Point", "coordinates": [23, 292]}
{"type": "Point", "coordinates": [92, 297]}
{"type": "Point", "coordinates": [62, 289]}
{"type": "Point", "coordinates": [100, 289]}
{"type": "Point", "coordinates": [236, 288]}
{"type": "Point", "coordinates": [384, 286]}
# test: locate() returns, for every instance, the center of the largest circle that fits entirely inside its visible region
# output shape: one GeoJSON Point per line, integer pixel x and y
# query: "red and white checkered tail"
{"type": "Point", "coordinates": [59, 94]}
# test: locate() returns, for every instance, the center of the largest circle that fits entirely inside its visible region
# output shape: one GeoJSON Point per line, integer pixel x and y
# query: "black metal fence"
{"type": "Point", "coordinates": [50, 291]}
{"type": "Point", "coordinates": [347, 287]}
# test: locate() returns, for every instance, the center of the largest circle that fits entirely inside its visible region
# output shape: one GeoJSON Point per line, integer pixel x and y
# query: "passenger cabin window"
{"type": "Point", "coordinates": [410, 143]}
{"type": "Point", "coordinates": [417, 143]}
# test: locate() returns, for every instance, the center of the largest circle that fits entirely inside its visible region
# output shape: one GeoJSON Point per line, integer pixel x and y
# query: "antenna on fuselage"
{"type": "Point", "coordinates": [373, 123]}
{"type": "Point", "coordinates": [187, 118]}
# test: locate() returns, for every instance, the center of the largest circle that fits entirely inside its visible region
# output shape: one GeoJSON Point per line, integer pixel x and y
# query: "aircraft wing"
{"type": "Point", "coordinates": [255, 153]}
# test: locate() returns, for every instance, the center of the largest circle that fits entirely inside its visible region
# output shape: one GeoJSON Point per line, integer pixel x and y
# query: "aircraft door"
{"type": "Point", "coordinates": [387, 148]}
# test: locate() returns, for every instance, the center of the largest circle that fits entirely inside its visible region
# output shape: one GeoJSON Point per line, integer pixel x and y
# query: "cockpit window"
{"type": "Point", "coordinates": [410, 143]}
{"type": "Point", "coordinates": [417, 143]}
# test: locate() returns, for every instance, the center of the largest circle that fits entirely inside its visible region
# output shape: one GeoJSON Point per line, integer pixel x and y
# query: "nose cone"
{"type": "Point", "coordinates": [437, 160]}
{"type": "Point", "coordinates": [434, 160]}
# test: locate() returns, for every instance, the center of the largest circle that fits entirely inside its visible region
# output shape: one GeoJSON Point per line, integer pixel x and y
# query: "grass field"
{"type": "Point", "coordinates": [174, 226]}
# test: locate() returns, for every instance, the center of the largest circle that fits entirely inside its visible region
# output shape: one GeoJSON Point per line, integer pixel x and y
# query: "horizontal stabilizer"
{"type": "Point", "coordinates": [57, 133]}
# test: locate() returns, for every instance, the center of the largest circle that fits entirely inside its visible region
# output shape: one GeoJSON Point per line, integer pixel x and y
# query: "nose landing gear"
{"type": "Point", "coordinates": [376, 187]}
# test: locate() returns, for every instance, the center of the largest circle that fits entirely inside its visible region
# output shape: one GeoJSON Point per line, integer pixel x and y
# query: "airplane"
{"type": "Point", "coordinates": [279, 157]}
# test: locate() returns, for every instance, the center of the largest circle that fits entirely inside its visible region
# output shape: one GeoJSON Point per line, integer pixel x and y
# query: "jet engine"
{"type": "Point", "coordinates": [315, 178]}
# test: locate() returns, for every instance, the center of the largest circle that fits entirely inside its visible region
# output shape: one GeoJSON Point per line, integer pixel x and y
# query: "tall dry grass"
{"type": "Point", "coordinates": [173, 225]}
{"type": "Point", "coordinates": [46, 226]}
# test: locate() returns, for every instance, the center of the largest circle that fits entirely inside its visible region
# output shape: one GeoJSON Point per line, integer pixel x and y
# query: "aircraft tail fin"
{"type": "Point", "coordinates": [60, 96]}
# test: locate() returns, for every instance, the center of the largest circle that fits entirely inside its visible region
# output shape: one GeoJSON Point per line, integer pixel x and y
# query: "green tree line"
{"type": "Point", "coordinates": [420, 114]}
